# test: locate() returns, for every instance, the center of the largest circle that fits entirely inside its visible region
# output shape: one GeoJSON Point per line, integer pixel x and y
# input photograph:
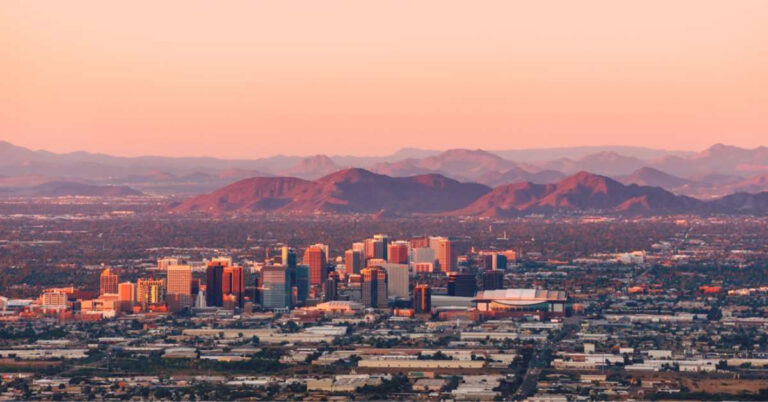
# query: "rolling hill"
{"type": "Point", "coordinates": [582, 191]}
{"type": "Point", "coordinates": [346, 191]}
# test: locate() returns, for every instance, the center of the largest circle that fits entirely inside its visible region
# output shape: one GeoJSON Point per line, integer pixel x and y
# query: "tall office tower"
{"type": "Point", "coordinates": [150, 291]}
{"type": "Point", "coordinates": [397, 252]}
{"type": "Point", "coordinates": [107, 282]}
{"type": "Point", "coordinates": [290, 273]}
{"type": "Point", "coordinates": [233, 283]}
{"type": "Point", "coordinates": [493, 279]}
{"type": "Point", "coordinates": [179, 279]}
{"type": "Point", "coordinates": [226, 281]}
{"type": "Point", "coordinates": [374, 287]}
{"type": "Point", "coordinates": [276, 287]}
{"type": "Point", "coordinates": [353, 259]}
{"type": "Point", "coordinates": [486, 260]}
{"type": "Point", "coordinates": [369, 249]}
{"type": "Point", "coordinates": [359, 246]}
{"type": "Point", "coordinates": [213, 284]}
{"type": "Point", "coordinates": [382, 242]}
{"type": "Point", "coordinates": [376, 247]}
{"type": "Point", "coordinates": [461, 245]}
{"type": "Point", "coordinates": [422, 299]}
{"type": "Point", "coordinates": [195, 285]}
{"type": "Point", "coordinates": [464, 285]}
{"type": "Point", "coordinates": [326, 249]}
{"type": "Point", "coordinates": [499, 261]}
{"type": "Point", "coordinates": [445, 257]}
{"type": "Point", "coordinates": [423, 255]}
{"type": "Point", "coordinates": [448, 252]}
{"type": "Point", "coordinates": [126, 296]}
{"type": "Point", "coordinates": [254, 288]}
{"type": "Point", "coordinates": [288, 256]}
{"type": "Point", "coordinates": [315, 258]}
{"type": "Point", "coordinates": [301, 282]}
{"type": "Point", "coordinates": [247, 284]}
{"type": "Point", "coordinates": [355, 287]}
{"type": "Point", "coordinates": [434, 242]}
{"type": "Point", "coordinates": [200, 299]}
{"type": "Point", "coordinates": [420, 242]}
{"type": "Point", "coordinates": [330, 288]}
{"type": "Point", "coordinates": [494, 260]}
{"type": "Point", "coordinates": [164, 263]}
{"type": "Point", "coordinates": [397, 279]}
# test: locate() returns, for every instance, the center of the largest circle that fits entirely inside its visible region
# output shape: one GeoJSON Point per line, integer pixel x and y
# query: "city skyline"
{"type": "Point", "coordinates": [258, 79]}
{"type": "Point", "coordinates": [345, 200]}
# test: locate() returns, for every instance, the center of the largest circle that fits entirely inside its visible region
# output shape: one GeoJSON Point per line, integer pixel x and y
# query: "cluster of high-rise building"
{"type": "Point", "coordinates": [179, 289]}
{"type": "Point", "coordinates": [378, 272]}
{"type": "Point", "coordinates": [146, 294]}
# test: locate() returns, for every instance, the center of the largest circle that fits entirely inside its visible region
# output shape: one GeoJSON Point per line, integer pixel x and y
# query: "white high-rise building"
{"type": "Point", "coordinates": [397, 279]}
{"type": "Point", "coordinates": [423, 255]}
{"type": "Point", "coordinates": [200, 301]}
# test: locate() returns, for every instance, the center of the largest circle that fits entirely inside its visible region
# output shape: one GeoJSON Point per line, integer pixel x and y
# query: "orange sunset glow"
{"type": "Point", "coordinates": [250, 78]}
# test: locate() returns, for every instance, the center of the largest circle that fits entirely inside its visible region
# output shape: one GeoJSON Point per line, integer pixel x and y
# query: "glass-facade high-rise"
{"type": "Point", "coordinates": [276, 287]}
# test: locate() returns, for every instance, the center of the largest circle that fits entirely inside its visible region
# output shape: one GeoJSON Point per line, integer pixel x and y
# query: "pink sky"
{"type": "Point", "coordinates": [253, 78]}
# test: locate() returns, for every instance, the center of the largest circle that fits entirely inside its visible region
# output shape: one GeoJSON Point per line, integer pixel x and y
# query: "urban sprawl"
{"type": "Point", "coordinates": [414, 317]}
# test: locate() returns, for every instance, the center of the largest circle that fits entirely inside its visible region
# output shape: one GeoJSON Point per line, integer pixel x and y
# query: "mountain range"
{"type": "Point", "coordinates": [580, 192]}
{"type": "Point", "coordinates": [67, 189]}
{"type": "Point", "coordinates": [715, 172]}
{"type": "Point", "coordinates": [351, 190]}
{"type": "Point", "coordinates": [361, 191]}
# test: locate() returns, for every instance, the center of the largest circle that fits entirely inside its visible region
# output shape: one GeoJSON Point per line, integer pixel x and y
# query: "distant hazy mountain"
{"type": "Point", "coordinates": [346, 191]}
{"type": "Point", "coordinates": [466, 162]}
{"type": "Point", "coordinates": [312, 167]}
{"type": "Point", "coordinates": [648, 176]}
{"type": "Point", "coordinates": [548, 154]}
{"type": "Point", "coordinates": [713, 172]}
{"type": "Point", "coordinates": [16, 161]}
{"type": "Point", "coordinates": [719, 158]}
{"type": "Point", "coordinates": [742, 203]}
{"type": "Point", "coordinates": [368, 161]}
{"type": "Point", "coordinates": [149, 177]}
{"type": "Point", "coordinates": [460, 164]}
{"type": "Point", "coordinates": [731, 185]}
{"type": "Point", "coordinates": [517, 174]}
{"type": "Point", "coordinates": [705, 186]}
{"type": "Point", "coordinates": [403, 168]}
{"type": "Point", "coordinates": [238, 174]}
{"type": "Point", "coordinates": [715, 179]}
{"type": "Point", "coordinates": [600, 163]}
{"type": "Point", "coordinates": [64, 188]}
{"type": "Point", "coordinates": [754, 184]}
{"type": "Point", "coordinates": [23, 181]}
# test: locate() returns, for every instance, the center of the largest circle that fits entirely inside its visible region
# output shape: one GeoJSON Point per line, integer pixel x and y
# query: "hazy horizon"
{"type": "Point", "coordinates": [253, 79]}
{"type": "Point", "coordinates": [596, 148]}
